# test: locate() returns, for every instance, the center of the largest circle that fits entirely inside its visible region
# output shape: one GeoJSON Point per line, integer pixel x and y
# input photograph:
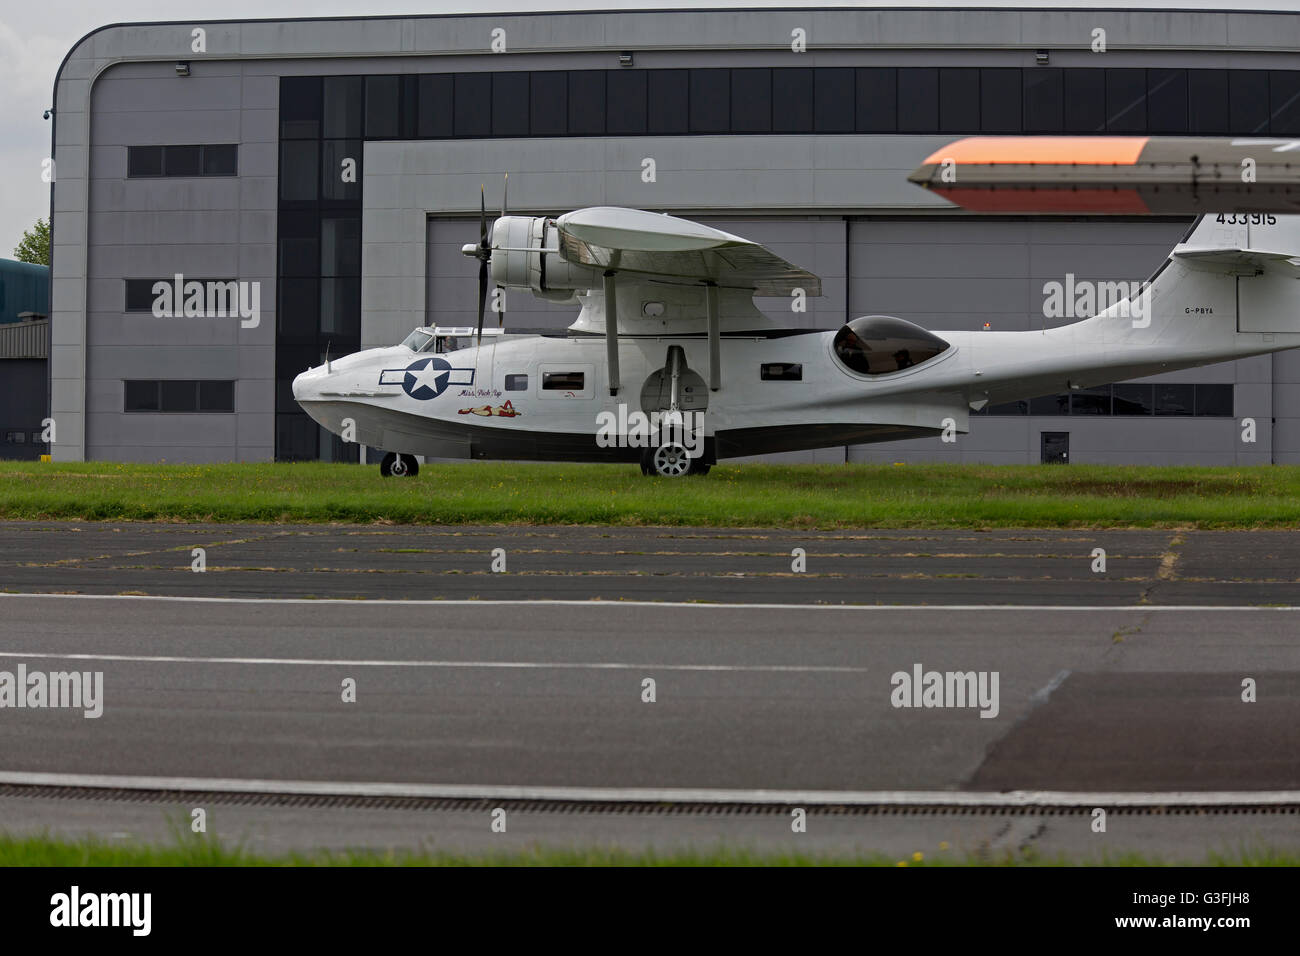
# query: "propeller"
{"type": "Point", "coordinates": [505, 191]}
{"type": "Point", "coordinates": [484, 254]}
{"type": "Point", "coordinates": [482, 251]}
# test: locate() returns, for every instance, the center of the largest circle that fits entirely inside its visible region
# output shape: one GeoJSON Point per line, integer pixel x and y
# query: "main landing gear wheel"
{"type": "Point", "coordinates": [671, 461]}
{"type": "Point", "coordinates": [399, 466]}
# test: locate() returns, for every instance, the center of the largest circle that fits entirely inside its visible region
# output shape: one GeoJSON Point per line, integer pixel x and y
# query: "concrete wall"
{"type": "Point", "coordinates": [210, 227]}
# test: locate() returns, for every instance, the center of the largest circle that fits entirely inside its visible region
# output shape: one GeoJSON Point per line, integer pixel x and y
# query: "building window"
{"type": "Point", "coordinates": [959, 100]}
{"type": "Point", "coordinates": [587, 103]}
{"type": "Point", "coordinates": [549, 103]}
{"type": "Point", "coordinates": [1008, 408]}
{"type": "Point", "coordinates": [1214, 401]}
{"type": "Point", "coordinates": [437, 106]}
{"type": "Point", "coordinates": [918, 100]}
{"type": "Point", "coordinates": [1284, 100]}
{"type": "Point", "coordinates": [510, 110]}
{"type": "Point", "coordinates": [833, 100]}
{"type": "Point", "coordinates": [140, 296]}
{"type": "Point", "coordinates": [216, 159]}
{"type": "Point", "coordinates": [751, 101]}
{"type": "Point", "coordinates": [1175, 400]}
{"type": "Point", "coordinates": [300, 170]}
{"type": "Point", "coordinates": [16, 437]}
{"type": "Point", "coordinates": [1207, 102]}
{"type": "Point", "coordinates": [824, 100]}
{"type": "Point", "coordinates": [1090, 401]}
{"type": "Point", "coordinates": [343, 107]}
{"type": "Point", "coordinates": [1127, 399]}
{"type": "Point", "coordinates": [781, 372]}
{"type": "Point", "coordinates": [178, 395]}
{"type": "Point", "coordinates": [877, 100]}
{"type": "Point", "coordinates": [1000, 101]}
{"type": "Point", "coordinates": [1049, 405]}
{"type": "Point", "coordinates": [1126, 101]}
{"type": "Point", "coordinates": [472, 109]}
{"type": "Point", "coordinates": [1044, 100]}
{"type": "Point", "coordinates": [1085, 101]}
{"type": "Point", "coordinates": [1167, 102]}
{"type": "Point", "coordinates": [710, 101]}
{"type": "Point", "coordinates": [1131, 399]}
{"type": "Point", "coordinates": [1248, 102]}
{"type": "Point", "coordinates": [625, 103]}
{"type": "Point", "coordinates": [792, 100]}
{"type": "Point", "coordinates": [668, 108]}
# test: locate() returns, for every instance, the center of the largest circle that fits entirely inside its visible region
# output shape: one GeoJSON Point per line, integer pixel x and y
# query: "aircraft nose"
{"type": "Point", "coordinates": [302, 384]}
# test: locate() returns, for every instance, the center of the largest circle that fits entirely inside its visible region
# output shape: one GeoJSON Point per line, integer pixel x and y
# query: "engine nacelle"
{"type": "Point", "coordinates": [526, 255]}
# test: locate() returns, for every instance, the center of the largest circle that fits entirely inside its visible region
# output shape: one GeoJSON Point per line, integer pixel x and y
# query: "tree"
{"type": "Point", "coordinates": [35, 245]}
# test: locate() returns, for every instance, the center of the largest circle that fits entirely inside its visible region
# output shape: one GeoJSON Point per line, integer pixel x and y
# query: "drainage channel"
{"type": "Point", "coordinates": [896, 805]}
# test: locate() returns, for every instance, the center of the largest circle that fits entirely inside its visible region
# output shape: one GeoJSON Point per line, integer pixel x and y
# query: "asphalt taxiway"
{"type": "Point", "coordinates": [769, 683]}
{"type": "Point", "coordinates": [1037, 567]}
{"type": "Point", "coordinates": [758, 700]}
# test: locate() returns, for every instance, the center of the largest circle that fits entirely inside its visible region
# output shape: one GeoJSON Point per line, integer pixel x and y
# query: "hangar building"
{"type": "Point", "coordinates": [220, 151]}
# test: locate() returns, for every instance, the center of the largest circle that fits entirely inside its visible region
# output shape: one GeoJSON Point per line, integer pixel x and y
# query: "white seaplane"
{"type": "Point", "coordinates": [672, 365]}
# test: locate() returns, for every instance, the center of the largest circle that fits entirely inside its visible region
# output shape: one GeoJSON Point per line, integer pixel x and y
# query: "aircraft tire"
{"type": "Point", "coordinates": [669, 460]}
{"type": "Point", "coordinates": [399, 466]}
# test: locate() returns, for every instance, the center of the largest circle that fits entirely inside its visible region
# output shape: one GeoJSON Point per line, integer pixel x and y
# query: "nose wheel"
{"type": "Point", "coordinates": [399, 466]}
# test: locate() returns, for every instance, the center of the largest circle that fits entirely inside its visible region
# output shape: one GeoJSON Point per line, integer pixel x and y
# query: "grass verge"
{"type": "Point", "coordinates": [798, 496]}
{"type": "Point", "coordinates": [205, 851]}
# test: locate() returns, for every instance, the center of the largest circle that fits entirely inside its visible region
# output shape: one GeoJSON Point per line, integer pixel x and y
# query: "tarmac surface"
{"type": "Point", "coordinates": [495, 693]}
{"type": "Point", "coordinates": [658, 564]}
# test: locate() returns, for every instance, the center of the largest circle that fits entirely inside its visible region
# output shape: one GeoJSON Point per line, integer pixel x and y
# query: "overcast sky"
{"type": "Point", "coordinates": [34, 36]}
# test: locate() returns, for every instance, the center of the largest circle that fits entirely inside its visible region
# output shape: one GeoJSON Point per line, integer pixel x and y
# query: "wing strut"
{"type": "Point", "coordinates": [715, 337]}
{"type": "Point", "coordinates": [611, 330]}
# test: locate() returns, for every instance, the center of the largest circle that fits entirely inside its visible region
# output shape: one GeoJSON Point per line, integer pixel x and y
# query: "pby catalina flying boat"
{"type": "Point", "coordinates": [670, 364]}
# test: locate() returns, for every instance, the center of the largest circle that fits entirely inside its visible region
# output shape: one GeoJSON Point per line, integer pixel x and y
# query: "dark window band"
{"type": "Point", "coordinates": [219, 159]}
{"type": "Point", "coordinates": [759, 100]}
{"type": "Point", "coordinates": [178, 395]}
{"type": "Point", "coordinates": [1128, 399]}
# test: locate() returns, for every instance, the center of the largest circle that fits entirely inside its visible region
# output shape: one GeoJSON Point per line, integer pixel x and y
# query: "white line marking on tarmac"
{"type": "Point", "coordinates": [1014, 798]}
{"type": "Point", "coordinates": [517, 665]}
{"type": "Point", "coordinates": [693, 605]}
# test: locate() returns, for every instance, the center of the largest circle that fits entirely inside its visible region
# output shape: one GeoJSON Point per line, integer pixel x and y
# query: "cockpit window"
{"type": "Point", "coordinates": [419, 341]}
{"type": "Point", "coordinates": [879, 344]}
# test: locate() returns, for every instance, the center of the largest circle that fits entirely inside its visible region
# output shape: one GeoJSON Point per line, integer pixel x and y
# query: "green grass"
{"type": "Point", "coordinates": [205, 851]}
{"type": "Point", "coordinates": [800, 496]}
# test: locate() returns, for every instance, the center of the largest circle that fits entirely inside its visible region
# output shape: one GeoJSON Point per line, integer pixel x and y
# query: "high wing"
{"type": "Point", "coordinates": [652, 244]}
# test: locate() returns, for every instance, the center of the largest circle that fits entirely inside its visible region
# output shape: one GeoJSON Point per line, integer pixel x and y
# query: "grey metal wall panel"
{"type": "Point", "coordinates": [209, 227]}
